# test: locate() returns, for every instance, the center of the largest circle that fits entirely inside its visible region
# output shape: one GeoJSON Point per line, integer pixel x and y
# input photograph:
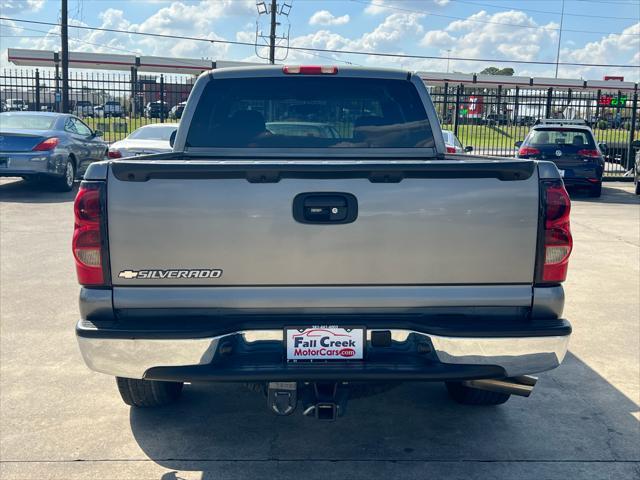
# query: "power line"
{"type": "Point", "coordinates": [543, 11]}
{"type": "Point", "coordinates": [490, 22]}
{"type": "Point", "coordinates": [328, 50]}
{"type": "Point", "coordinates": [137, 52]}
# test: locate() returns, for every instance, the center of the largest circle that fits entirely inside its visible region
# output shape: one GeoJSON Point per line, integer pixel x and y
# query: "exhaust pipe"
{"type": "Point", "coordinates": [522, 385]}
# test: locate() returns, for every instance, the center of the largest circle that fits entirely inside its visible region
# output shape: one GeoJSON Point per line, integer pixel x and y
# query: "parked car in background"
{"type": "Point", "coordinates": [16, 105]}
{"type": "Point", "coordinates": [176, 111]}
{"type": "Point", "coordinates": [496, 119]}
{"type": "Point", "coordinates": [569, 144]}
{"type": "Point", "coordinates": [525, 120]}
{"type": "Point", "coordinates": [303, 129]}
{"type": "Point", "coordinates": [83, 108]}
{"type": "Point", "coordinates": [109, 109]}
{"type": "Point", "coordinates": [53, 146]}
{"type": "Point", "coordinates": [156, 109]}
{"type": "Point", "coordinates": [145, 140]}
{"type": "Point", "coordinates": [453, 144]}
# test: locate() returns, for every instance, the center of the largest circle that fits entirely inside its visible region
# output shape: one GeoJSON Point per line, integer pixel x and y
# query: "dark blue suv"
{"type": "Point", "coordinates": [569, 144]}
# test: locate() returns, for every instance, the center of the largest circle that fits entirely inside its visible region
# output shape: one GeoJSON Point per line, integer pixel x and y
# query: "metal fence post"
{"type": "Point", "coordinates": [445, 103]}
{"type": "Point", "coordinates": [37, 90]}
{"type": "Point", "coordinates": [632, 131]}
{"type": "Point", "coordinates": [57, 93]}
{"type": "Point", "coordinates": [547, 113]}
{"type": "Point", "coordinates": [457, 112]}
{"type": "Point", "coordinates": [162, 98]}
{"type": "Point", "coordinates": [134, 98]}
{"type": "Point", "coordinates": [516, 105]}
{"type": "Point", "coordinates": [498, 98]}
{"type": "Point", "coordinates": [597, 109]}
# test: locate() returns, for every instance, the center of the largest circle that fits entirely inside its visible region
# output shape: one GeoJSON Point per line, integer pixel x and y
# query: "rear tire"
{"type": "Point", "coordinates": [65, 183]}
{"type": "Point", "coordinates": [596, 190]}
{"type": "Point", "coordinates": [473, 396]}
{"type": "Point", "coordinates": [638, 188]}
{"type": "Point", "coordinates": [148, 393]}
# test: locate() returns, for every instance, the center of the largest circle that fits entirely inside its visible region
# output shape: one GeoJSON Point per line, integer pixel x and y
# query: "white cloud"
{"type": "Point", "coordinates": [623, 48]}
{"type": "Point", "coordinates": [199, 20]}
{"type": "Point", "coordinates": [325, 17]}
{"type": "Point", "coordinates": [377, 7]}
{"type": "Point", "coordinates": [10, 7]}
{"type": "Point", "coordinates": [509, 35]}
{"type": "Point", "coordinates": [437, 38]}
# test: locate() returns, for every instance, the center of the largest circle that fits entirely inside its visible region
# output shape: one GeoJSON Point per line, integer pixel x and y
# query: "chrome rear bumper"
{"type": "Point", "coordinates": [133, 357]}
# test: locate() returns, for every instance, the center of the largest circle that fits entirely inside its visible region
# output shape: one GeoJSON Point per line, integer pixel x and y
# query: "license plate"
{"type": "Point", "coordinates": [561, 173]}
{"type": "Point", "coordinates": [324, 343]}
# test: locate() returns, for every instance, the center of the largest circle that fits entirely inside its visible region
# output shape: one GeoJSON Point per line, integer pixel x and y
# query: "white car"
{"type": "Point", "coordinates": [83, 108]}
{"type": "Point", "coordinates": [453, 144]}
{"type": "Point", "coordinates": [145, 140]}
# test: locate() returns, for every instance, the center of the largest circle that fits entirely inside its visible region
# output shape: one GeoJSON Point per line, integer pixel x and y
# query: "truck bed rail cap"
{"type": "Point", "coordinates": [273, 171]}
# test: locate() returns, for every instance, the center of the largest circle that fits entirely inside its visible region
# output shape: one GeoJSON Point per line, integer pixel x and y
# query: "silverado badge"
{"type": "Point", "coordinates": [172, 274]}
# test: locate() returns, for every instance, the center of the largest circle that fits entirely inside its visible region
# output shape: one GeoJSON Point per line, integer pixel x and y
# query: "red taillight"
{"type": "Point", "coordinates": [87, 244]}
{"type": "Point", "coordinates": [525, 151]}
{"type": "Point", "coordinates": [310, 69]}
{"type": "Point", "coordinates": [557, 232]}
{"type": "Point", "coordinates": [451, 149]}
{"type": "Point", "coordinates": [585, 152]}
{"type": "Point", "coordinates": [48, 144]}
{"type": "Point", "coordinates": [114, 154]}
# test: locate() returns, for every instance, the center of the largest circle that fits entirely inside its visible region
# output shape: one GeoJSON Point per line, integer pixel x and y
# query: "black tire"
{"type": "Point", "coordinates": [638, 188]}
{"type": "Point", "coordinates": [66, 182]}
{"type": "Point", "coordinates": [148, 393]}
{"type": "Point", "coordinates": [473, 396]}
{"type": "Point", "coordinates": [596, 190]}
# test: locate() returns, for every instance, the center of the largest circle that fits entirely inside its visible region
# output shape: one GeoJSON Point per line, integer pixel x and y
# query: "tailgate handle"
{"type": "Point", "coordinates": [325, 208]}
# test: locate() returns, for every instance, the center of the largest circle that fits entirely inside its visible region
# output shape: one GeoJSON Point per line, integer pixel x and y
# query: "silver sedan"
{"type": "Point", "coordinates": [145, 140]}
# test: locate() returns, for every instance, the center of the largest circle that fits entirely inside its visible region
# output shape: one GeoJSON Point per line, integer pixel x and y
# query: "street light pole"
{"type": "Point", "coordinates": [65, 56]}
{"type": "Point", "coordinates": [448, 58]}
{"type": "Point", "coordinates": [559, 39]}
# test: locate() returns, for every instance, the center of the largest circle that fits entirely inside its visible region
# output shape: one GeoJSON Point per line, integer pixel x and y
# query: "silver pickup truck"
{"type": "Point", "coordinates": [308, 236]}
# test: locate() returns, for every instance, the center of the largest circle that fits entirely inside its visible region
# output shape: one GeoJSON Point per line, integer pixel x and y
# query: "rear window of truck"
{"type": "Point", "coordinates": [310, 112]}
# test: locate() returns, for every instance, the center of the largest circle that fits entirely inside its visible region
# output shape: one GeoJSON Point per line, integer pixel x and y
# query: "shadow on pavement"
{"type": "Point", "coordinates": [574, 415]}
{"type": "Point", "coordinates": [20, 191]}
{"type": "Point", "coordinates": [611, 193]}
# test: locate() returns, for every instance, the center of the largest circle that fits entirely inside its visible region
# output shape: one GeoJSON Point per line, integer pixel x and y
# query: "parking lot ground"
{"type": "Point", "coordinates": [59, 420]}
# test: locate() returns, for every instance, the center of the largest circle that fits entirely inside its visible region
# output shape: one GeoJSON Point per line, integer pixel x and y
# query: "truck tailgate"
{"type": "Point", "coordinates": [418, 223]}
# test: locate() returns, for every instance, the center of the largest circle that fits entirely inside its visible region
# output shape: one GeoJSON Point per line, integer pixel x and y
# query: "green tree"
{"type": "Point", "coordinates": [498, 71]}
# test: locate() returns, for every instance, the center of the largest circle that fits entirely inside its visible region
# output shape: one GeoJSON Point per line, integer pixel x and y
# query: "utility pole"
{"type": "Point", "coordinates": [559, 39]}
{"type": "Point", "coordinates": [448, 58]}
{"type": "Point", "coordinates": [272, 40]}
{"type": "Point", "coordinates": [65, 57]}
{"type": "Point", "coordinates": [272, 33]}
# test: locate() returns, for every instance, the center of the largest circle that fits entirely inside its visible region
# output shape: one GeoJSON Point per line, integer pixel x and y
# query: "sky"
{"type": "Point", "coordinates": [593, 31]}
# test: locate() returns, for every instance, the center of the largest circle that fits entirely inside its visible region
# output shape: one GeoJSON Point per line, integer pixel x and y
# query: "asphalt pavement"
{"type": "Point", "coordinates": [58, 420]}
